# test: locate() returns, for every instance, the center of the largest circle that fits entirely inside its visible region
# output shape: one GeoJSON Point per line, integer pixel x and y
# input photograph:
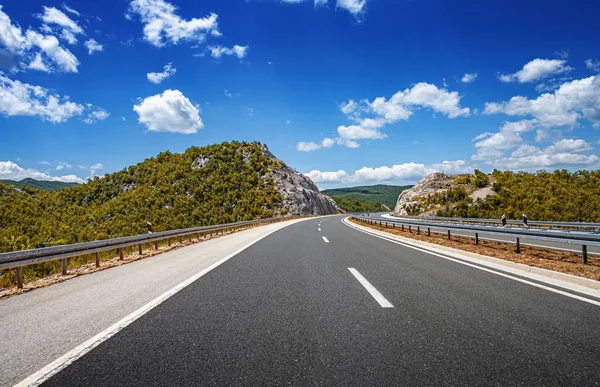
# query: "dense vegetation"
{"type": "Point", "coordinates": [170, 190]}
{"type": "Point", "coordinates": [51, 186]}
{"type": "Point", "coordinates": [356, 205]}
{"type": "Point", "coordinates": [386, 194]}
{"type": "Point", "coordinates": [554, 196]}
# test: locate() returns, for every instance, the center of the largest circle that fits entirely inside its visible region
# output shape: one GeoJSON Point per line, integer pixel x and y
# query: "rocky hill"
{"type": "Point", "coordinates": [39, 184]}
{"type": "Point", "coordinates": [437, 190]}
{"type": "Point", "coordinates": [214, 184]}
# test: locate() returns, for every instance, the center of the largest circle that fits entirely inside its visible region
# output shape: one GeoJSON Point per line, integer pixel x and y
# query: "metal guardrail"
{"type": "Point", "coordinates": [18, 259]}
{"type": "Point", "coordinates": [535, 223]}
{"type": "Point", "coordinates": [564, 236]}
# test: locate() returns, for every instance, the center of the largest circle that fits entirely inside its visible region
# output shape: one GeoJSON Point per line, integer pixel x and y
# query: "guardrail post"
{"type": "Point", "coordinates": [584, 254]}
{"type": "Point", "coordinates": [428, 232]}
{"type": "Point", "coordinates": [64, 266]}
{"type": "Point", "coordinates": [518, 246]}
{"type": "Point", "coordinates": [386, 225]}
{"type": "Point", "coordinates": [409, 228]}
{"type": "Point", "coordinates": [120, 253]}
{"type": "Point", "coordinates": [476, 238]}
{"type": "Point", "coordinates": [180, 240]}
{"type": "Point", "coordinates": [393, 225]}
{"type": "Point", "coordinates": [402, 227]}
{"type": "Point", "coordinates": [169, 241]}
{"type": "Point", "coordinates": [155, 245]}
{"type": "Point", "coordinates": [140, 249]}
{"type": "Point", "coordinates": [418, 229]}
{"type": "Point", "coordinates": [97, 259]}
{"type": "Point", "coordinates": [448, 234]}
{"type": "Point", "coordinates": [19, 272]}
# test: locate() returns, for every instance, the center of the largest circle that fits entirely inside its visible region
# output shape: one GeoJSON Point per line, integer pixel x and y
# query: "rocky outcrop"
{"type": "Point", "coordinates": [436, 182]}
{"type": "Point", "coordinates": [300, 195]}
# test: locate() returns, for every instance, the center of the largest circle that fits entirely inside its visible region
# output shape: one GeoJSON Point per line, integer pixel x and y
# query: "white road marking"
{"type": "Point", "coordinates": [319, 228]}
{"type": "Point", "coordinates": [502, 274]}
{"type": "Point", "coordinates": [326, 240]}
{"type": "Point", "coordinates": [371, 289]}
{"type": "Point", "coordinates": [62, 362]}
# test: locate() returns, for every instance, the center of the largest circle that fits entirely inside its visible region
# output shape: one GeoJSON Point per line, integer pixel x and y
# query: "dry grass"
{"type": "Point", "coordinates": [560, 261]}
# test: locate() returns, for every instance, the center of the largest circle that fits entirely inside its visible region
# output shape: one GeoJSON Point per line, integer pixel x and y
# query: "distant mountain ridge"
{"type": "Point", "coordinates": [44, 185]}
{"type": "Point", "coordinates": [380, 193]}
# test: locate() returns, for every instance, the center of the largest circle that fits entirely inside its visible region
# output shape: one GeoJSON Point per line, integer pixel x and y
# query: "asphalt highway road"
{"type": "Point", "coordinates": [336, 306]}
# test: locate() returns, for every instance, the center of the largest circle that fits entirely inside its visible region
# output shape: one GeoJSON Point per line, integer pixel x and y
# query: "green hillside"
{"type": "Point", "coordinates": [43, 185]}
{"type": "Point", "coordinates": [386, 194]}
{"type": "Point", "coordinates": [357, 205]}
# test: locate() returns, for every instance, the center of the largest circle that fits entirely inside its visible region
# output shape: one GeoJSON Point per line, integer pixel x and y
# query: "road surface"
{"type": "Point", "coordinates": [320, 303]}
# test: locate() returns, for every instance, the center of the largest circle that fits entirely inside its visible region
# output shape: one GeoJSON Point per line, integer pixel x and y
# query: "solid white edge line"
{"type": "Point", "coordinates": [62, 362]}
{"type": "Point", "coordinates": [502, 274]}
{"type": "Point", "coordinates": [326, 240]}
{"type": "Point", "coordinates": [371, 289]}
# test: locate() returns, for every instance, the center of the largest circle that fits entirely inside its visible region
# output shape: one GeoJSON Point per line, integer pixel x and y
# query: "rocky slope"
{"type": "Point", "coordinates": [429, 185]}
{"type": "Point", "coordinates": [300, 196]}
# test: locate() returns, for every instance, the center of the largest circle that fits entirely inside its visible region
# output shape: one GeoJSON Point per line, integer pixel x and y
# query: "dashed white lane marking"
{"type": "Point", "coordinates": [371, 289]}
{"type": "Point", "coordinates": [319, 228]}
{"type": "Point", "coordinates": [326, 240]}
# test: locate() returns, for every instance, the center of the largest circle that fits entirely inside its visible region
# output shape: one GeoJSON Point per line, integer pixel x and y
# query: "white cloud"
{"type": "Point", "coordinates": [170, 111]}
{"type": "Point", "coordinates": [68, 36]}
{"type": "Point", "coordinates": [69, 9]}
{"type": "Point", "coordinates": [399, 107]}
{"type": "Point", "coordinates": [593, 64]}
{"type": "Point", "coordinates": [537, 69]}
{"type": "Point", "coordinates": [50, 46]}
{"type": "Point", "coordinates": [95, 168]}
{"type": "Point", "coordinates": [218, 51]}
{"type": "Point", "coordinates": [250, 111]}
{"type": "Point", "coordinates": [288, 122]}
{"type": "Point", "coordinates": [320, 3]}
{"type": "Point", "coordinates": [123, 118]}
{"type": "Point", "coordinates": [54, 16]}
{"type": "Point", "coordinates": [38, 63]}
{"type": "Point", "coordinates": [313, 146]}
{"type": "Point", "coordinates": [468, 78]}
{"type": "Point", "coordinates": [530, 158]}
{"type": "Point", "coordinates": [93, 46]}
{"type": "Point", "coordinates": [572, 101]}
{"type": "Point", "coordinates": [355, 7]}
{"type": "Point", "coordinates": [228, 94]}
{"type": "Point", "coordinates": [62, 165]}
{"type": "Point", "coordinates": [12, 171]}
{"type": "Point", "coordinates": [96, 115]}
{"type": "Point", "coordinates": [569, 146]}
{"type": "Point", "coordinates": [397, 173]}
{"type": "Point", "coordinates": [162, 25]}
{"type": "Point", "coordinates": [22, 99]}
{"type": "Point", "coordinates": [156, 78]}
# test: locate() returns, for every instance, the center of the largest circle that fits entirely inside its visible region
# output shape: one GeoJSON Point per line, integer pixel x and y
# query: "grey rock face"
{"type": "Point", "coordinates": [200, 162]}
{"type": "Point", "coordinates": [300, 195]}
{"type": "Point", "coordinates": [436, 182]}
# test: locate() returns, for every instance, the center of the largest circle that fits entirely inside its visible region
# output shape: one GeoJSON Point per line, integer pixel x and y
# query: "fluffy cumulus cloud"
{"type": "Point", "coordinates": [41, 50]}
{"type": "Point", "coordinates": [167, 72]}
{"type": "Point", "coordinates": [537, 69]}
{"type": "Point", "coordinates": [93, 46]}
{"type": "Point", "coordinates": [356, 8]}
{"type": "Point", "coordinates": [369, 117]}
{"type": "Point", "coordinates": [219, 51]}
{"type": "Point", "coordinates": [468, 78]}
{"type": "Point", "coordinates": [571, 102]}
{"type": "Point", "coordinates": [313, 146]}
{"type": "Point", "coordinates": [22, 99]}
{"type": "Point", "coordinates": [162, 25]}
{"type": "Point", "coordinates": [407, 172]}
{"type": "Point", "coordinates": [170, 111]}
{"type": "Point", "coordinates": [12, 171]}
{"type": "Point", "coordinates": [95, 114]}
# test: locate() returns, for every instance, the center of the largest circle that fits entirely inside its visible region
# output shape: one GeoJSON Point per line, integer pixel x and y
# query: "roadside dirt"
{"type": "Point", "coordinates": [561, 261]}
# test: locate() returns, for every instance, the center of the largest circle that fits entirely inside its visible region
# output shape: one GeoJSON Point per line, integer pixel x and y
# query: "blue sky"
{"type": "Point", "coordinates": [348, 91]}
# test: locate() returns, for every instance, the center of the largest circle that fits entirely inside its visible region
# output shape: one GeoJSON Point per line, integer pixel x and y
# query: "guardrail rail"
{"type": "Point", "coordinates": [565, 236]}
{"type": "Point", "coordinates": [18, 259]}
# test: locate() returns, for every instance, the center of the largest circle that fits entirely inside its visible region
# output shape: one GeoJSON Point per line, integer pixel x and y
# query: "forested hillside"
{"type": "Point", "coordinates": [214, 184]}
{"type": "Point", "coordinates": [386, 194]}
{"type": "Point", "coordinates": [554, 196]}
{"type": "Point", "coordinates": [357, 205]}
{"type": "Point", "coordinates": [39, 184]}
